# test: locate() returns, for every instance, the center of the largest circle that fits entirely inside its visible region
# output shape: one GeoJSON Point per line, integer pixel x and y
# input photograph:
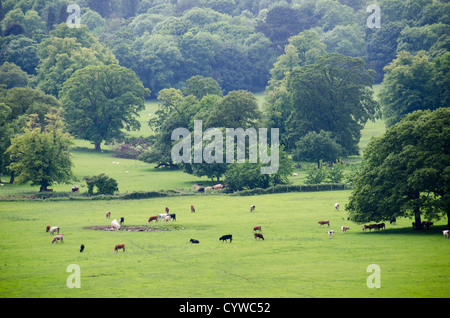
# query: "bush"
{"type": "Point", "coordinates": [104, 184]}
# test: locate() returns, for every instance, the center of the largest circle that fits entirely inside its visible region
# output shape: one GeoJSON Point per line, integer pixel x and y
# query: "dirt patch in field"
{"type": "Point", "coordinates": [141, 228]}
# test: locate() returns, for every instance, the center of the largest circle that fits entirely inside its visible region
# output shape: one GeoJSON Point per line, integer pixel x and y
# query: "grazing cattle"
{"type": "Point", "coordinates": [336, 206]}
{"type": "Point", "coordinates": [81, 248]}
{"type": "Point", "coordinates": [162, 215]}
{"type": "Point", "coordinates": [59, 237]}
{"type": "Point", "coordinates": [54, 229]}
{"type": "Point", "coordinates": [257, 228]}
{"type": "Point", "coordinates": [324, 222]}
{"type": "Point", "coordinates": [344, 228]}
{"type": "Point", "coordinates": [218, 186]}
{"type": "Point", "coordinates": [226, 237]}
{"type": "Point", "coordinates": [75, 189]}
{"type": "Point", "coordinates": [259, 236]}
{"type": "Point", "coordinates": [167, 218]}
{"type": "Point", "coordinates": [445, 233]}
{"type": "Point", "coordinates": [173, 216]}
{"type": "Point", "coordinates": [252, 208]}
{"type": "Point", "coordinates": [121, 220]}
{"type": "Point", "coordinates": [153, 218]}
{"type": "Point", "coordinates": [192, 209]}
{"type": "Point", "coordinates": [167, 209]}
{"type": "Point", "coordinates": [115, 225]}
{"type": "Point", "coordinates": [393, 220]}
{"type": "Point", "coordinates": [295, 174]}
{"type": "Point", "coordinates": [427, 224]}
{"type": "Point", "coordinates": [330, 233]}
{"type": "Point", "coordinates": [363, 227]}
{"type": "Point", "coordinates": [108, 214]}
{"type": "Point", "coordinates": [118, 247]}
{"type": "Point", "coordinates": [194, 241]}
{"type": "Point", "coordinates": [381, 226]}
{"type": "Point", "coordinates": [47, 228]}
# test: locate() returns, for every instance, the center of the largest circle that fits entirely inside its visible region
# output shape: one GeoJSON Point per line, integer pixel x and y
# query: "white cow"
{"type": "Point", "coordinates": [336, 206]}
{"type": "Point", "coordinates": [54, 229]}
{"type": "Point", "coordinates": [330, 233]}
{"type": "Point", "coordinates": [162, 216]}
{"type": "Point", "coordinates": [445, 232]}
{"type": "Point", "coordinates": [115, 225]}
{"type": "Point", "coordinates": [252, 208]}
{"type": "Point", "coordinates": [344, 228]}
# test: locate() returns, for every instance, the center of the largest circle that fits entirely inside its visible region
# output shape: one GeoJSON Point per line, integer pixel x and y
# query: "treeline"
{"type": "Point", "coordinates": [316, 60]}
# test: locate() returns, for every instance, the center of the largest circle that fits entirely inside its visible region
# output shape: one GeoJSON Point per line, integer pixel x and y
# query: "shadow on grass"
{"type": "Point", "coordinates": [434, 230]}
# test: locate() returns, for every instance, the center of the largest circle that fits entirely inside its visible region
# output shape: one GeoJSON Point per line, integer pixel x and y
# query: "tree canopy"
{"type": "Point", "coordinates": [100, 101]}
{"type": "Point", "coordinates": [406, 171]}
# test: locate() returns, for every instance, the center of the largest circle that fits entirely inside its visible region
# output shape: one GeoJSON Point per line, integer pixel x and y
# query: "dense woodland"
{"type": "Point", "coordinates": [316, 61]}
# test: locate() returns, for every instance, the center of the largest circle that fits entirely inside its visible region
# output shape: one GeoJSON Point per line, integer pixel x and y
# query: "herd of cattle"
{"type": "Point", "coordinates": [257, 235]}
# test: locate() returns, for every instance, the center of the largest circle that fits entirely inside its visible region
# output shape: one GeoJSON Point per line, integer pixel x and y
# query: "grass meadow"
{"type": "Point", "coordinates": [297, 259]}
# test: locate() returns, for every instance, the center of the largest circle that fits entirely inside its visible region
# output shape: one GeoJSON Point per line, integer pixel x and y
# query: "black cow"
{"type": "Point", "coordinates": [121, 220]}
{"type": "Point", "coordinates": [173, 216]}
{"type": "Point", "coordinates": [81, 248]}
{"type": "Point", "coordinates": [226, 237]}
{"type": "Point", "coordinates": [194, 241]}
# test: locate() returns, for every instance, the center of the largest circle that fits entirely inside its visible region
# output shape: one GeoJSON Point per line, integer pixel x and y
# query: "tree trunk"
{"type": "Point", "coordinates": [97, 146]}
{"type": "Point", "coordinates": [43, 188]}
{"type": "Point", "coordinates": [11, 178]}
{"type": "Point", "coordinates": [417, 220]}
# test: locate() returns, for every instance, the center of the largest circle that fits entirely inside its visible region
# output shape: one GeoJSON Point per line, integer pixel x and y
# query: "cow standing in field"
{"type": "Point", "coordinates": [445, 233]}
{"type": "Point", "coordinates": [224, 238]}
{"type": "Point", "coordinates": [344, 229]}
{"type": "Point", "coordinates": [167, 218]}
{"type": "Point", "coordinates": [193, 241]}
{"type": "Point", "coordinates": [153, 218]}
{"type": "Point", "coordinates": [330, 233]}
{"type": "Point", "coordinates": [59, 237]}
{"type": "Point", "coordinates": [173, 216]}
{"type": "Point", "coordinates": [258, 236]}
{"type": "Point", "coordinates": [108, 214]}
{"type": "Point", "coordinates": [252, 208]}
{"type": "Point", "coordinates": [192, 209]}
{"type": "Point", "coordinates": [121, 220]}
{"type": "Point", "coordinates": [118, 247]}
{"type": "Point", "coordinates": [115, 225]}
{"type": "Point", "coordinates": [337, 206]}
{"type": "Point", "coordinates": [47, 228]}
{"type": "Point", "coordinates": [54, 229]}
{"type": "Point", "coordinates": [257, 228]}
{"type": "Point", "coordinates": [324, 222]}
{"type": "Point", "coordinates": [167, 209]}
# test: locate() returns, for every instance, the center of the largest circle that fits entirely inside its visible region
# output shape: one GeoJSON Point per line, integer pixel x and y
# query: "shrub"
{"type": "Point", "coordinates": [104, 184]}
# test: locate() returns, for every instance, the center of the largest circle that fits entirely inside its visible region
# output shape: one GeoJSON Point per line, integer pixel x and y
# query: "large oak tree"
{"type": "Point", "coordinates": [406, 171]}
{"type": "Point", "coordinates": [100, 101]}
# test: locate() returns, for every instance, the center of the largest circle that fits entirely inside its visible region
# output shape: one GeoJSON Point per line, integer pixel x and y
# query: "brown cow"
{"type": "Point", "coordinates": [47, 228]}
{"type": "Point", "coordinates": [153, 218]}
{"type": "Point", "coordinates": [259, 235]}
{"type": "Point", "coordinates": [118, 247]}
{"type": "Point", "coordinates": [192, 209]}
{"type": "Point", "coordinates": [108, 214]}
{"type": "Point", "coordinates": [257, 228]}
{"type": "Point", "coordinates": [167, 209]}
{"type": "Point", "coordinates": [324, 222]}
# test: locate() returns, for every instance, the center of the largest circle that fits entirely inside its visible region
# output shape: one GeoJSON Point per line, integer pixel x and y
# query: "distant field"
{"type": "Point", "coordinates": [296, 259]}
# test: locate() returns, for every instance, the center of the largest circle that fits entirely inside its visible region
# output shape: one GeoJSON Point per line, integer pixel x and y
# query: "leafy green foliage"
{"type": "Point", "coordinates": [105, 185]}
{"type": "Point", "coordinates": [100, 101]}
{"type": "Point", "coordinates": [405, 171]}
{"type": "Point", "coordinates": [42, 153]}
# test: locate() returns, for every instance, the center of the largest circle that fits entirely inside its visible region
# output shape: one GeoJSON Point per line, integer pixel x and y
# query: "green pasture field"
{"type": "Point", "coordinates": [296, 259]}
